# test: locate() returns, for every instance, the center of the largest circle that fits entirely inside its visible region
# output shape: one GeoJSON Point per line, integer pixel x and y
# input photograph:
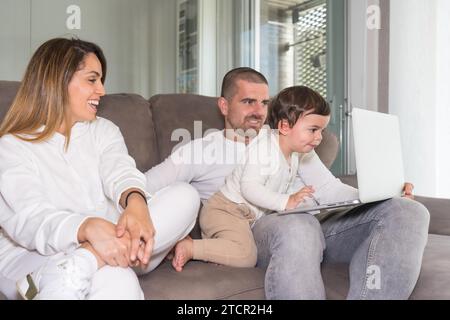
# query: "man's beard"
{"type": "Point", "coordinates": [246, 129]}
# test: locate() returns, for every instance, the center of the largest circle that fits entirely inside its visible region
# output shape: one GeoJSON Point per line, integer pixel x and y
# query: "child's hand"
{"type": "Point", "coordinates": [299, 197]}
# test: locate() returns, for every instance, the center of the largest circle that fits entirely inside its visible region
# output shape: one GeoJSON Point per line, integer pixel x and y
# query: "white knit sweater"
{"type": "Point", "coordinates": [264, 179]}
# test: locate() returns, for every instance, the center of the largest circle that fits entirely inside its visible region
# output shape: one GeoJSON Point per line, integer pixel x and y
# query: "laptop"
{"type": "Point", "coordinates": [379, 163]}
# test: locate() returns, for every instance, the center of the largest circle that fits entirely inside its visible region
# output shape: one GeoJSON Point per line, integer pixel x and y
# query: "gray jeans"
{"type": "Point", "coordinates": [383, 243]}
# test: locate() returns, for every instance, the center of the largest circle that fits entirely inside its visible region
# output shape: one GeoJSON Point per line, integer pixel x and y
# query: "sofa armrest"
{"type": "Point", "coordinates": [439, 214]}
{"type": "Point", "coordinates": [439, 209]}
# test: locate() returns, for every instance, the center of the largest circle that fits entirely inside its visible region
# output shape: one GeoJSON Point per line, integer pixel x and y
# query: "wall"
{"type": "Point", "coordinates": [419, 82]}
{"type": "Point", "coordinates": [15, 31]}
{"type": "Point", "coordinates": [363, 57]}
{"type": "Point", "coordinates": [443, 99]}
{"type": "Point", "coordinates": [163, 53]}
{"type": "Point", "coordinates": [137, 36]}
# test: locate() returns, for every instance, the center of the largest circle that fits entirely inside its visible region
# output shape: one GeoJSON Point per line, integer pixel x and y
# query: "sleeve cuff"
{"type": "Point", "coordinates": [69, 232]}
{"type": "Point", "coordinates": [283, 202]}
{"type": "Point", "coordinates": [132, 183]}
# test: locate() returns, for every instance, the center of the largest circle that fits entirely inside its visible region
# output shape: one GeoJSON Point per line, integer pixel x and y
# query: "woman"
{"type": "Point", "coordinates": [74, 212]}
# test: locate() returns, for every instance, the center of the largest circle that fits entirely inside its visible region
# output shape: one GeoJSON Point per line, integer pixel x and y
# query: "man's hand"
{"type": "Point", "coordinates": [137, 222]}
{"type": "Point", "coordinates": [408, 191]}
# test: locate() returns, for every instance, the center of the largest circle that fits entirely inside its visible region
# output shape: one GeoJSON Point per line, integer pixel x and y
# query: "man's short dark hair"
{"type": "Point", "coordinates": [292, 103]}
{"type": "Point", "coordinates": [247, 74]}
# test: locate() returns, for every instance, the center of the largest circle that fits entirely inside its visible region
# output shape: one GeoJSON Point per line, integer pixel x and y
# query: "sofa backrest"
{"type": "Point", "coordinates": [131, 113]}
{"type": "Point", "coordinates": [150, 127]}
{"type": "Point", "coordinates": [8, 91]}
{"type": "Point", "coordinates": [193, 114]}
{"type": "Point", "coordinates": [174, 111]}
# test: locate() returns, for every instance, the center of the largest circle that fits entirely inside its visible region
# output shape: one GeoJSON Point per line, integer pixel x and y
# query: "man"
{"type": "Point", "coordinates": [383, 242]}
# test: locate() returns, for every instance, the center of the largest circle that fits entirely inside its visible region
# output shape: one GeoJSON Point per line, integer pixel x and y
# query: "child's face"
{"type": "Point", "coordinates": [306, 134]}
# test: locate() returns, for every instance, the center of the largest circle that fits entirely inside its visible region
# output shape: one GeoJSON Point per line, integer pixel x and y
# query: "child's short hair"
{"type": "Point", "coordinates": [291, 103]}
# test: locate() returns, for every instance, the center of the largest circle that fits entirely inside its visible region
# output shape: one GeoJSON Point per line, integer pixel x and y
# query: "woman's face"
{"type": "Point", "coordinates": [85, 90]}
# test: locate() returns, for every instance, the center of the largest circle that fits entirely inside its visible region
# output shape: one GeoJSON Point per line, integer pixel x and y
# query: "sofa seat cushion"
{"type": "Point", "coordinates": [336, 280]}
{"type": "Point", "coordinates": [203, 281]}
{"type": "Point", "coordinates": [434, 279]}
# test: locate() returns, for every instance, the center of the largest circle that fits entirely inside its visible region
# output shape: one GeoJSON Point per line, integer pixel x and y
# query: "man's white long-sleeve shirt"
{"type": "Point", "coordinates": [204, 163]}
{"type": "Point", "coordinates": [47, 192]}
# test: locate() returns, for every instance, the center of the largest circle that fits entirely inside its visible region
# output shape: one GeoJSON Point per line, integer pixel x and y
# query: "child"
{"type": "Point", "coordinates": [260, 184]}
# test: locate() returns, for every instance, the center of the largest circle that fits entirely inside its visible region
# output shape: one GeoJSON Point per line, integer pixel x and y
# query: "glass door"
{"type": "Point", "coordinates": [337, 78]}
{"type": "Point", "coordinates": [187, 48]}
{"type": "Point", "coordinates": [303, 43]}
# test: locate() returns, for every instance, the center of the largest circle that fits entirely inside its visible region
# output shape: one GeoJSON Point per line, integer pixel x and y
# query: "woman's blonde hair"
{"type": "Point", "coordinates": [43, 96]}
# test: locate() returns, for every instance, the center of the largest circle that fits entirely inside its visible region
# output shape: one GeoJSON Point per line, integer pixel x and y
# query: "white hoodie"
{"type": "Point", "coordinates": [46, 193]}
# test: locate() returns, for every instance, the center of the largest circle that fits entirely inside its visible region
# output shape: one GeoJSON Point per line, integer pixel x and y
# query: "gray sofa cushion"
{"type": "Point", "coordinates": [175, 111]}
{"type": "Point", "coordinates": [434, 280]}
{"type": "Point", "coordinates": [203, 281]}
{"type": "Point", "coordinates": [132, 114]}
{"type": "Point", "coordinates": [328, 148]}
{"type": "Point", "coordinates": [440, 214]}
{"type": "Point", "coordinates": [8, 91]}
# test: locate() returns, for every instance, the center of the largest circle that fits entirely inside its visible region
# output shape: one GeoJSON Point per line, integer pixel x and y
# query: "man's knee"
{"type": "Point", "coordinates": [407, 212]}
{"type": "Point", "coordinates": [115, 283]}
{"type": "Point", "coordinates": [186, 197]}
{"type": "Point", "coordinates": [300, 232]}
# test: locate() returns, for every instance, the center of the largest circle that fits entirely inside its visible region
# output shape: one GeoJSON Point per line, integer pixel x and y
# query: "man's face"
{"type": "Point", "coordinates": [247, 109]}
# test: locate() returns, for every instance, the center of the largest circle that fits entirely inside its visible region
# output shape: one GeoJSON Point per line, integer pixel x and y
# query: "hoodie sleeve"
{"type": "Point", "coordinates": [118, 170]}
{"type": "Point", "coordinates": [26, 215]}
{"type": "Point", "coordinates": [178, 167]}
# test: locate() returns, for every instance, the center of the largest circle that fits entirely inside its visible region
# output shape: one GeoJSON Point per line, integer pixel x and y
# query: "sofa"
{"type": "Point", "coordinates": [147, 127]}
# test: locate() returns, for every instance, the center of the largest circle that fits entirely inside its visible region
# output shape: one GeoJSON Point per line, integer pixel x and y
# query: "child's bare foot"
{"type": "Point", "coordinates": [183, 253]}
{"type": "Point", "coordinates": [171, 254]}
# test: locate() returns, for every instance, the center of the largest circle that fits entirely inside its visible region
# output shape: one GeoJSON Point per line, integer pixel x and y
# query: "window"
{"type": "Point", "coordinates": [310, 47]}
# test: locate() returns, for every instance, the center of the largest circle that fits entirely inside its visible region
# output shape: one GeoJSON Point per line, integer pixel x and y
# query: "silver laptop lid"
{"type": "Point", "coordinates": [378, 153]}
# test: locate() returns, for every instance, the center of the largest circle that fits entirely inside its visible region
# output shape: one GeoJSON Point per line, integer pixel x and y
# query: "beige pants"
{"type": "Point", "coordinates": [226, 232]}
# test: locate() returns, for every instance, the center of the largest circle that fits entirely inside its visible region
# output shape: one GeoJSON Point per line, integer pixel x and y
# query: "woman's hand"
{"type": "Point", "coordinates": [101, 235]}
{"type": "Point", "coordinates": [299, 197]}
{"type": "Point", "coordinates": [137, 222]}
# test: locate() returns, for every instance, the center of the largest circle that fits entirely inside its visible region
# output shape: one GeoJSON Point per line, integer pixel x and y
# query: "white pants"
{"type": "Point", "coordinates": [173, 211]}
